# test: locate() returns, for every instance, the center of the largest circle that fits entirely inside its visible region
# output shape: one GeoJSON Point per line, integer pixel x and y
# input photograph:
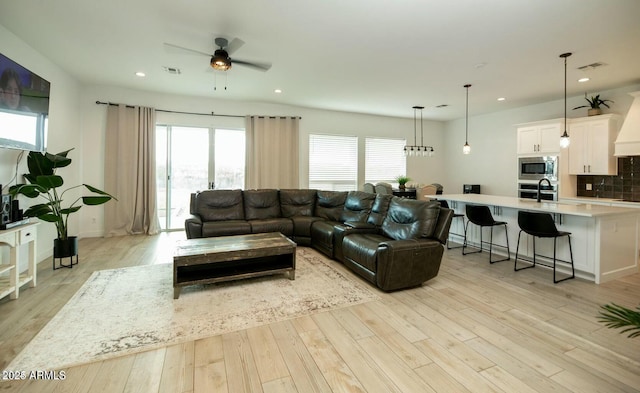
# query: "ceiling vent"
{"type": "Point", "coordinates": [592, 66]}
{"type": "Point", "coordinates": [442, 106]}
{"type": "Point", "coordinates": [172, 70]}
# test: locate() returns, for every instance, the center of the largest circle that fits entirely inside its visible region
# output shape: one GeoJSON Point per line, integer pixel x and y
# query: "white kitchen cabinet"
{"type": "Point", "coordinates": [539, 138]}
{"type": "Point", "coordinates": [592, 145]}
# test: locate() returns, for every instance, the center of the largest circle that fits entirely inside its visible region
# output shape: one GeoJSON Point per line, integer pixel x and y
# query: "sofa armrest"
{"type": "Point", "coordinates": [441, 232]}
{"type": "Point", "coordinates": [360, 225]}
{"type": "Point", "coordinates": [407, 263]}
{"type": "Point", "coordinates": [193, 227]}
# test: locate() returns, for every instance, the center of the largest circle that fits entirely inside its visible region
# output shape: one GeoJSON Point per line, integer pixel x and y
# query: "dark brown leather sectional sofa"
{"type": "Point", "coordinates": [391, 242]}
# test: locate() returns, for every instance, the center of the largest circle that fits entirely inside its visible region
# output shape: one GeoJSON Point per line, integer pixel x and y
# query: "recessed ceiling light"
{"type": "Point", "coordinates": [501, 99]}
{"type": "Point", "coordinates": [277, 91]}
{"type": "Point", "coordinates": [141, 74]}
{"type": "Point", "coordinates": [585, 79]}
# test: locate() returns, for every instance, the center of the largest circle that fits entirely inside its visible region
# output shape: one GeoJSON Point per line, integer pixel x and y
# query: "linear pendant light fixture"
{"type": "Point", "coordinates": [416, 150]}
{"type": "Point", "coordinates": [564, 139]}
{"type": "Point", "coordinates": [466, 149]}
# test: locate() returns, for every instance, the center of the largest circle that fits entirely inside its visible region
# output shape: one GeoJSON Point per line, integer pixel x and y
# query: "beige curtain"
{"type": "Point", "coordinates": [272, 152]}
{"type": "Point", "coordinates": [130, 173]}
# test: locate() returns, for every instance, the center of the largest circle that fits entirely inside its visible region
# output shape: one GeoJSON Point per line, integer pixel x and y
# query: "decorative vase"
{"type": "Point", "coordinates": [65, 248]}
{"type": "Point", "coordinates": [594, 112]}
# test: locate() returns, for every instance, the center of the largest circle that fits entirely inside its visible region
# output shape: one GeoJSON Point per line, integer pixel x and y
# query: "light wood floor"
{"type": "Point", "coordinates": [474, 328]}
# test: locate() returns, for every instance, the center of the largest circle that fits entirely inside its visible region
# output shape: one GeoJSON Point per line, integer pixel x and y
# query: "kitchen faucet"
{"type": "Point", "coordinates": [540, 185]}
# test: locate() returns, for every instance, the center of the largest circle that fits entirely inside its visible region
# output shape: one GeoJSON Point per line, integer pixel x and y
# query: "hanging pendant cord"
{"type": "Point", "coordinates": [466, 126]}
{"type": "Point", "coordinates": [415, 136]}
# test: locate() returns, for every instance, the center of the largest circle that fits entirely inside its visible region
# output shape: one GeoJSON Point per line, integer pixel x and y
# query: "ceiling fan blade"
{"type": "Point", "coordinates": [234, 45]}
{"type": "Point", "coordinates": [252, 64]}
{"type": "Point", "coordinates": [171, 48]}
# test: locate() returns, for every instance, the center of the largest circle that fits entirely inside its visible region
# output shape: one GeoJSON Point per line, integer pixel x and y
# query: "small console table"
{"type": "Point", "coordinates": [14, 238]}
{"type": "Point", "coordinates": [406, 193]}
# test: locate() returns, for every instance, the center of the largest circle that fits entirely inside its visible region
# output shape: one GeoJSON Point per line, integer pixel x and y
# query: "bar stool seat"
{"type": "Point", "coordinates": [542, 225]}
{"type": "Point", "coordinates": [481, 215]}
{"type": "Point", "coordinates": [445, 204]}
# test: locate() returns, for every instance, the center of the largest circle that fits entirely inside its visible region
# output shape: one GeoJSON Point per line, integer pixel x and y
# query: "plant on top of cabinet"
{"type": "Point", "coordinates": [594, 104]}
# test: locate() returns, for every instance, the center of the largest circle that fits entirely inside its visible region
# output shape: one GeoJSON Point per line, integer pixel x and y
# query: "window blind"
{"type": "Point", "coordinates": [384, 160]}
{"type": "Point", "coordinates": [333, 162]}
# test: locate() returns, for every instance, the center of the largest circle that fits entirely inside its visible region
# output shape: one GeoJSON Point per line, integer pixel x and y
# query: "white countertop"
{"type": "Point", "coordinates": [575, 208]}
{"type": "Point", "coordinates": [600, 200]}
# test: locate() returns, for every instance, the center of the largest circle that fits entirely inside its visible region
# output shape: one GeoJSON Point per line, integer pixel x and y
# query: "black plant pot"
{"type": "Point", "coordinates": [65, 248]}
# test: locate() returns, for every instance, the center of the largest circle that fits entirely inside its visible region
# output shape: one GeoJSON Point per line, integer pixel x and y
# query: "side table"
{"type": "Point", "coordinates": [14, 238]}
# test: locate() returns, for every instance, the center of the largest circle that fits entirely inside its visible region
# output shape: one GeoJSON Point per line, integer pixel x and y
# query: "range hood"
{"type": "Point", "coordinates": [628, 141]}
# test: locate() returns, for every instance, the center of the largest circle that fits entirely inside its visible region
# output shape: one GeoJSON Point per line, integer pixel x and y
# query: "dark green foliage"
{"type": "Point", "coordinates": [594, 102]}
{"type": "Point", "coordinates": [615, 316]}
{"type": "Point", "coordinates": [43, 182]}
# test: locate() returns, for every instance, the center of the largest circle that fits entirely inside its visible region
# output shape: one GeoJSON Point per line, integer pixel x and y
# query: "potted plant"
{"type": "Point", "coordinates": [594, 105]}
{"type": "Point", "coordinates": [45, 183]}
{"type": "Point", "coordinates": [402, 181]}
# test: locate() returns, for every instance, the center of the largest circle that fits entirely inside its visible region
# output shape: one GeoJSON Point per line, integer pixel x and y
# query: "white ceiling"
{"type": "Point", "coordinates": [369, 56]}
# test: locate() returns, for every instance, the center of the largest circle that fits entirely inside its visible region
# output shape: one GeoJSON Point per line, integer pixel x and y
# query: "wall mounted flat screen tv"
{"type": "Point", "coordinates": [24, 107]}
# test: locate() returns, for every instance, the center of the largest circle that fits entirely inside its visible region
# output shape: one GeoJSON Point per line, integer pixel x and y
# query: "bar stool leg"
{"type": "Point", "coordinates": [465, 245]}
{"type": "Point", "coordinates": [491, 245]}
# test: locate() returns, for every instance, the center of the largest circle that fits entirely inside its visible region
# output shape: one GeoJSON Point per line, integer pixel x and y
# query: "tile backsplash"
{"type": "Point", "coordinates": [626, 185]}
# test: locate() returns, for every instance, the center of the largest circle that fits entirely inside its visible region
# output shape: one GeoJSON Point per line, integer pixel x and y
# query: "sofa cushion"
{"type": "Point", "coordinates": [282, 225]}
{"type": "Point", "coordinates": [302, 225]}
{"type": "Point", "coordinates": [297, 202]}
{"type": "Point", "coordinates": [410, 219]}
{"type": "Point", "coordinates": [219, 205]}
{"type": "Point", "coordinates": [261, 204]}
{"type": "Point", "coordinates": [379, 209]}
{"type": "Point", "coordinates": [357, 206]}
{"type": "Point", "coordinates": [330, 204]}
{"type": "Point", "coordinates": [225, 228]}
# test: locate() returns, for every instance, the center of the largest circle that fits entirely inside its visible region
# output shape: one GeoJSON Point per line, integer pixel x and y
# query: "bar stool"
{"type": "Point", "coordinates": [481, 215]}
{"type": "Point", "coordinates": [541, 225]}
{"type": "Point", "coordinates": [445, 204]}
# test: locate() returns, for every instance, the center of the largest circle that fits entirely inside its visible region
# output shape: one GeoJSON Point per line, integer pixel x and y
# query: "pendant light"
{"type": "Point", "coordinates": [415, 149]}
{"type": "Point", "coordinates": [466, 149]}
{"type": "Point", "coordinates": [564, 139]}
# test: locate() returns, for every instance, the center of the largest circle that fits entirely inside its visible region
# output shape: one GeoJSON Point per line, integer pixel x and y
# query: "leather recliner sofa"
{"type": "Point", "coordinates": [393, 243]}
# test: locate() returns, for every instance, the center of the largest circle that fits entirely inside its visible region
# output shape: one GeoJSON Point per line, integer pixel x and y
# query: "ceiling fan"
{"type": "Point", "coordinates": [220, 59]}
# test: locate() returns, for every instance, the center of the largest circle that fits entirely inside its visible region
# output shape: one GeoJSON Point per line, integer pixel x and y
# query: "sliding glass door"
{"type": "Point", "coordinates": [191, 159]}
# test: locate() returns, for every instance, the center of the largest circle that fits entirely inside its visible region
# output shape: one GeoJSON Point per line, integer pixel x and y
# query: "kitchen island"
{"type": "Point", "coordinates": [604, 238]}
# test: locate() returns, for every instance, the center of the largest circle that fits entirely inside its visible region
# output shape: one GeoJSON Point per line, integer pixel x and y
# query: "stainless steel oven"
{"type": "Point", "coordinates": [530, 191]}
{"type": "Point", "coordinates": [536, 168]}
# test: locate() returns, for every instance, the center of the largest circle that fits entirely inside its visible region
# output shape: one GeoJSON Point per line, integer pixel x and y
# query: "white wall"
{"type": "Point", "coordinates": [64, 128]}
{"type": "Point", "coordinates": [492, 162]}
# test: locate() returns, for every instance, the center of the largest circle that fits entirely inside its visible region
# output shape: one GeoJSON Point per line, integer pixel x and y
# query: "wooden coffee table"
{"type": "Point", "coordinates": [225, 258]}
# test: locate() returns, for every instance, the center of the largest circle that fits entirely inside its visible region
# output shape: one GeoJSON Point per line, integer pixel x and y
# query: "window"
{"type": "Point", "coordinates": [384, 160]}
{"type": "Point", "coordinates": [190, 159]}
{"type": "Point", "coordinates": [333, 162]}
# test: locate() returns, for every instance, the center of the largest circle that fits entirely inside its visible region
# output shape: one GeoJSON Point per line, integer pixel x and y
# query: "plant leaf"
{"type": "Point", "coordinates": [70, 210]}
{"type": "Point", "coordinates": [97, 191]}
{"type": "Point", "coordinates": [38, 164]}
{"type": "Point", "coordinates": [59, 160]}
{"type": "Point", "coordinates": [28, 190]}
{"type": "Point", "coordinates": [37, 210]}
{"type": "Point", "coordinates": [95, 200]}
{"type": "Point", "coordinates": [49, 217]}
{"type": "Point", "coordinates": [50, 181]}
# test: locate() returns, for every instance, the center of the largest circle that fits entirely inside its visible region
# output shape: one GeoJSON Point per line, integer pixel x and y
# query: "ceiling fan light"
{"type": "Point", "coordinates": [220, 60]}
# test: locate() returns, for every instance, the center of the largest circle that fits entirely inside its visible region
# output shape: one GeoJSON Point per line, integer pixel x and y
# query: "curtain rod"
{"type": "Point", "coordinates": [200, 114]}
{"type": "Point", "coordinates": [168, 111]}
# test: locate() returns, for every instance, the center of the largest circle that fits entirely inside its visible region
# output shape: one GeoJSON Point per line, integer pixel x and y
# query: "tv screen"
{"type": "Point", "coordinates": [24, 107]}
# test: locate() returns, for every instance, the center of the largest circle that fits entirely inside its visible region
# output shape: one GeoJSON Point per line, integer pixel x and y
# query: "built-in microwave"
{"type": "Point", "coordinates": [536, 168]}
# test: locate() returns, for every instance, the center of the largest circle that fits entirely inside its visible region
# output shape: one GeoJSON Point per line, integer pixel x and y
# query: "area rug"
{"type": "Point", "coordinates": [129, 310]}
